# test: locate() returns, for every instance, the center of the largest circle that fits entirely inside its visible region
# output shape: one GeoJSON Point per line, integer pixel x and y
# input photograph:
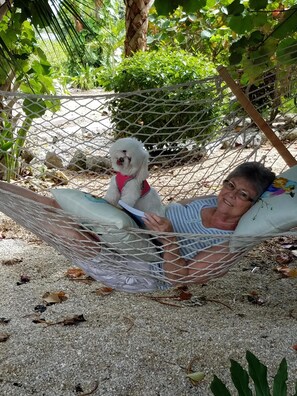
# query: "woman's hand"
{"type": "Point", "coordinates": [154, 222]}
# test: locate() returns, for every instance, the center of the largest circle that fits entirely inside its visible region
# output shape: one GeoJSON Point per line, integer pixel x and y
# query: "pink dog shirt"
{"type": "Point", "coordinates": [121, 180]}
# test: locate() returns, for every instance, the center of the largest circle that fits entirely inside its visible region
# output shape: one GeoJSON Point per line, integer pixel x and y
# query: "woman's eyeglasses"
{"type": "Point", "coordinates": [241, 194]}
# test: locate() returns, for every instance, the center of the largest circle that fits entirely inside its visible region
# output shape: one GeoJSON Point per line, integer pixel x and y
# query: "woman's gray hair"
{"type": "Point", "coordinates": [256, 173]}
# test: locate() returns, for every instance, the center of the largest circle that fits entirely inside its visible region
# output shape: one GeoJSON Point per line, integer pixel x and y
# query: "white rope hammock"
{"type": "Point", "coordinates": [70, 149]}
{"type": "Point", "coordinates": [102, 261]}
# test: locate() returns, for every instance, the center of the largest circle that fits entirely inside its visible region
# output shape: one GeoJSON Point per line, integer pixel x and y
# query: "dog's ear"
{"type": "Point", "coordinates": [142, 172]}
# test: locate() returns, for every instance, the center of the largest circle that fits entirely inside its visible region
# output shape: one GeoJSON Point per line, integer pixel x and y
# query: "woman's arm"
{"type": "Point", "coordinates": [207, 264]}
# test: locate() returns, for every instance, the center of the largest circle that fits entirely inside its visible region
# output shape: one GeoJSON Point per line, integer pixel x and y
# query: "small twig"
{"type": "Point", "coordinates": [164, 302]}
{"type": "Point", "coordinates": [131, 323]}
{"type": "Point", "coordinates": [190, 368]}
{"type": "Point", "coordinates": [190, 365]}
{"type": "Point", "coordinates": [219, 302]}
{"type": "Point", "coordinates": [92, 390]}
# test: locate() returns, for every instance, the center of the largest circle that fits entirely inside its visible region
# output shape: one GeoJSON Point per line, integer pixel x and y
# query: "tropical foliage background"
{"type": "Point", "coordinates": [74, 41]}
{"type": "Point", "coordinates": [50, 46]}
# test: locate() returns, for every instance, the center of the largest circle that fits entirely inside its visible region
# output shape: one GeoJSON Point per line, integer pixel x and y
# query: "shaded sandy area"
{"type": "Point", "coordinates": [132, 344]}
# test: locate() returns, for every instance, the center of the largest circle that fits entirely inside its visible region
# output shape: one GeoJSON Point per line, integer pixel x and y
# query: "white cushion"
{"type": "Point", "coordinates": [275, 212]}
{"type": "Point", "coordinates": [113, 225]}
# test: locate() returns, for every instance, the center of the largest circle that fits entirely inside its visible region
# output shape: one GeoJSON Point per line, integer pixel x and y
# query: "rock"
{"type": "Point", "coordinates": [250, 138]}
{"type": "Point", "coordinates": [78, 161]}
{"type": "Point", "coordinates": [97, 164]}
{"type": "Point", "coordinates": [291, 135]}
{"type": "Point", "coordinates": [27, 155]}
{"type": "Point", "coordinates": [57, 177]}
{"type": "Point", "coordinates": [52, 160]}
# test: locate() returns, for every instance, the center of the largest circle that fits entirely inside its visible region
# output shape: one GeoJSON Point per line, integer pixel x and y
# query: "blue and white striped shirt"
{"type": "Point", "coordinates": [186, 219]}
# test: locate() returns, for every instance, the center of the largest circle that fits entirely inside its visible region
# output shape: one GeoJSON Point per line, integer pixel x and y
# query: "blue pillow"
{"type": "Point", "coordinates": [114, 226]}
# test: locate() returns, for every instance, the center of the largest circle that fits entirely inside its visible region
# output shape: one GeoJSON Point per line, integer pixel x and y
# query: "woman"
{"type": "Point", "coordinates": [198, 261]}
{"type": "Point", "coordinates": [189, 259]}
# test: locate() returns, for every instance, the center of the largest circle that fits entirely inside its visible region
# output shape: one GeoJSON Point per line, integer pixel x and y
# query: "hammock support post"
{"type": "Point", "coordinates": [256, 117]}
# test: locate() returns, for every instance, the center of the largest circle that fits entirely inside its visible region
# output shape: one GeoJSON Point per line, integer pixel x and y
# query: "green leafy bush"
{"type": "Point", "coordinates": [161, 99]}
{"type": "Point", "coordinates": [257, 371]}
{"type": "Point", "coordinates": [30, 73]}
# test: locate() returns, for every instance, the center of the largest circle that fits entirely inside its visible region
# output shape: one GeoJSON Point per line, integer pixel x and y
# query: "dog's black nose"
{"type": "Point", "coordinates": [124, 151]}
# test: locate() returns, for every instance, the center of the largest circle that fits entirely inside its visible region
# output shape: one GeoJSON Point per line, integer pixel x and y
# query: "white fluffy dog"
{"type": "Point", "coordinates": [129, 159]}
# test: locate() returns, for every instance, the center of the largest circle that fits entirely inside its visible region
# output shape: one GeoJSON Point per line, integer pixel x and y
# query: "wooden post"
{"type": "Point", "coordinates": [256, 117]}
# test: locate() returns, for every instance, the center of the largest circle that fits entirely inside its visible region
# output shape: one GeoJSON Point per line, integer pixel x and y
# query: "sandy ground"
{"type": "Point", "coordinates": [119, 344]}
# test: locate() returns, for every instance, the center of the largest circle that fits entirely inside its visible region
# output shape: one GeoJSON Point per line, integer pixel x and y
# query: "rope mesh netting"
{"type": "Point", "coordinates": [195, 133]}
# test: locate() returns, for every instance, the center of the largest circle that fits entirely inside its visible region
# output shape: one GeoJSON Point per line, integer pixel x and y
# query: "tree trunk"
{"type": "Point", "coordinates": [136, 25]}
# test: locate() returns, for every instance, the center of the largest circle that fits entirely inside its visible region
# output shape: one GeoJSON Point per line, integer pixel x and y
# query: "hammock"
{"type": "Point", "coordinates": [187, 159]}
{"type": "Point", "coordinates": [99, 260]}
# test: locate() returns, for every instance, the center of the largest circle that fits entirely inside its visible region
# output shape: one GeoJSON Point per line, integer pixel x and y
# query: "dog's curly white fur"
{"type": "Point", "coordinates": [130, 159]}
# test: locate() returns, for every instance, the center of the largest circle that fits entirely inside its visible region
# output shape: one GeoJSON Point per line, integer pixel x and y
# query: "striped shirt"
{"type": "Point", "coordinates": [186, 219]}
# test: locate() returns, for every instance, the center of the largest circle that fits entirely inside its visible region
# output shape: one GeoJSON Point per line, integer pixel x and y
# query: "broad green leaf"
{"type": "Point", "coordinates": [193, 5]}
{"type": "Point", "coordinates": [258, 372]}
{"type": "Point", "coordinates": [218, 388]}
{"type": "Point", "coordinates": [34, 107]}
{"type": "Point", "coordinates": [241, 24]}
{"type": "Point", "coordinates": [287, 25]}
{"type": "Point", "coordinates": [240, 379]}
{"type": "Point", "coordinates": [260, 19]}
{"type": "Point", "coordinates": [286, 51]}
{"type": "Point", "coordinates": [167, 7]}
{"type": "Point", "coordinates": [256, 37]}
{"type": "Point", "coordinates": [239, 45]}
{"type": "Point", "coordinates": [235, 58]}
{"type": "Point", "coordinates": [211, 3]}
{"type": "Point", "coordinates": [6, 146]}
{"type": "Point", "coordinates": [257, 4]}
{"type": "Point", "coordinates": [235, 8]}
{"type": "Point", "coordinates": [280, 379]}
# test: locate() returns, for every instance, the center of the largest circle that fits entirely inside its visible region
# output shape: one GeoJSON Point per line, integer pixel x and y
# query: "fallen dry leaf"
{"type": "Point", "coordinates": [13, 261]}
{"type": "Point", "coordinates": [39, 320]}
{"type": "Point", "coordinates": [40, 308]}
{"type": "Point", "coordinates": [196, 376]}
{"type": "Point", "coordinates": [284, 258]}
{"type": "Point", "coordinates": [104, 291]}
{"type": "Point", "coordinates": [75, 273]}
{"type": "Point", "coordinates": [23, 279]}
{"type": "Point", "coordinates": [4, 320]}
{"type": "Point", "coordinates": [287, 272]}
{"type": "Point", "coordinates": [4, 337]}
{"type": "Point", "coordinates": [74, 320]}
{"type": "Point", "coordinates": [79, 389]}
{"type": "Point", "coordinates": [255, 298]}
{"type": "Point", "coordinates": [54, 297]}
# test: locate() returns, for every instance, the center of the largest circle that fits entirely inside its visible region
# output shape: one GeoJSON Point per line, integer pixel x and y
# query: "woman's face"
{"type": "Point", "coordinates": [236, 196]}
